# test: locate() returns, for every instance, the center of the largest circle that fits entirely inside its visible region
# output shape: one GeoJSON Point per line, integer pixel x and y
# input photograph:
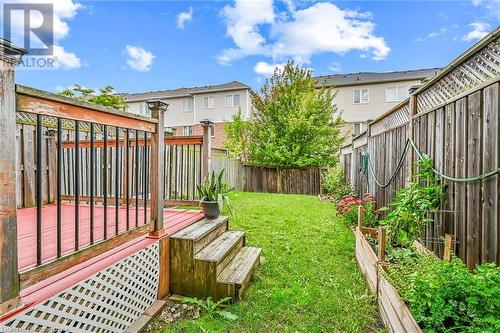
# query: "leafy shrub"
{"type": "Point", "coordinates": [335, 184]}
{"type": "Point", "coordinates": [348, 207]}
{"type": "Point", "coordinates": [444, 296]}
{"type": "Point", "coordinates": [410, 208]}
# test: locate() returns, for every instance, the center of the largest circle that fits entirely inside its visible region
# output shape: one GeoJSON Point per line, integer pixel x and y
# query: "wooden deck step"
{"type": "Point", "coordinates": [236, 276]}
{"type": "Point", "coordinates": [222, 250]}
{"type": "Point", "coordinates": [203, 232]}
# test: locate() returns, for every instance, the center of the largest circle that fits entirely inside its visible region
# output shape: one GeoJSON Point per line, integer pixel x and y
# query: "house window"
{"type": "Point", "coordinates": [358, 128]}
{"type": "Point", "coordinates": [208, 102]}
{"type": "Point", "coordinates": [187, 105]}
{"type": "Point", "coordinates": [360, 96]}
{"type": "Point", "coordinates": [212, 131]}
{"type": "Point", "coordinates": [143, 109]}
{"type": "Point", "coordinates": [187, 130]}
{"type": "Point", "coordinates": [396, 94]}
{"type": "Point", "coordinates": [232, 100]}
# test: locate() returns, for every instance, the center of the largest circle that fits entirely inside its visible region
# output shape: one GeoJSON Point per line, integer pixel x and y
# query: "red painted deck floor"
{"type": "Point", "coordinates": [175, 220]}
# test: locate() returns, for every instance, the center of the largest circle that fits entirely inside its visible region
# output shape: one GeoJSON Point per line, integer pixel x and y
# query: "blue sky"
{"type": "Point", "coordinates": [144, 46]}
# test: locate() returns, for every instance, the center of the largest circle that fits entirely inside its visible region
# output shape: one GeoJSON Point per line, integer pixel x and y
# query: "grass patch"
{"type": "Point", "coordinates": [309, 281]}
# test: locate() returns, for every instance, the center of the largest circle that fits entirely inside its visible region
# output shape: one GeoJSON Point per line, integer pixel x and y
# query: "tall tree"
{"type": "Point", "coordinates": [104, 96]}
{"type": "Point", "coordinates": [295, 124]}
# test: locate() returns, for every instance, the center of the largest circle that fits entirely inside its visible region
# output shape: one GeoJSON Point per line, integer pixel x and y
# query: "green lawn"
{"type": "Point", "coordinates": [308, 282]}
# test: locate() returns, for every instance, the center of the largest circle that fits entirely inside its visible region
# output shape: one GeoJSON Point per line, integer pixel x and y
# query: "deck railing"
{"type": "Point", "coordinates": [102, 158]}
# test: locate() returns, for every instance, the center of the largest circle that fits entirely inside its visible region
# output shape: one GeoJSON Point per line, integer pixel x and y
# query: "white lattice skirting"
{"type": "Point", "coordinates": [108, 301]}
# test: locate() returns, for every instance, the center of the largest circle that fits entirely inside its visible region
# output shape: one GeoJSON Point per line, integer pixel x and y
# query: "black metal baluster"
{"type": "Point", "coordinates": [170, 172]}
{"type": "Point", "coordinates": [144, 166]}
{"type": "Point", "coordinates": [38, 189]}
{"type": "Point", "coordinates": [59, 183]}
{"type": "Point", "coordinates": [194, 172]}
{"type": "Point", "coordinates": [176, 172]}
{"type": "Point", "coordinates": [136, 178]}
{"type": "Point", "coordinates": [92, 181]}
{"type": "Point", "coordinates": [117, 179]}
{"type": "Point", "coordinates": [77, 185]}
{"type": "Point", "coordinates": [105, 179]}
{"type": "Point", "coordinates": [127, 177]}
{"type": "Point", "coordinates": [182, 171]}
{"type": "Point", "coordinates": [187, 173]}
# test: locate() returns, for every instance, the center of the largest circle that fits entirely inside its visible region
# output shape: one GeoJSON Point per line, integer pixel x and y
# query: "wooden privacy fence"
{"type": "Point", "coordinates": [288, 181]}
{"type": "Point", "coordinates": [454, 119]}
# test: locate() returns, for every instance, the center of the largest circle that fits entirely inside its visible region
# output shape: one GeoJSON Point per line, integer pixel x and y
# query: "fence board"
{"type": "Point", "coordinates": [491, 194]}
{"type": "Point", "coordinates": [474, 188]}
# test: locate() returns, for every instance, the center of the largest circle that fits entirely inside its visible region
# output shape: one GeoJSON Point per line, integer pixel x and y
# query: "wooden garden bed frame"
{"type": "Point", "coordinates": [393, 310]}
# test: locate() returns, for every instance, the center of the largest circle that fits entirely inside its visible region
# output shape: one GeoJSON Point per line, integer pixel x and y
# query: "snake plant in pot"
{"type": "Point", "coordinates": [213, 192]}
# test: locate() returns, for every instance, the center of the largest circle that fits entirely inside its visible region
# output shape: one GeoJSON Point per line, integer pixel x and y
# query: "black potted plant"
{"type": "Point", "coordinates": [213, 193]}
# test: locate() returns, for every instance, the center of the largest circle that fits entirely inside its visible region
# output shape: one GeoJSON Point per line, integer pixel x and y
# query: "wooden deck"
{"type": "Point", "coordinates": [175, 220]}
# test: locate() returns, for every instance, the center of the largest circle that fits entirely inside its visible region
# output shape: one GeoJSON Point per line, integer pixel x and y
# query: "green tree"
{"type": "Point", "coordinates": [237, 132]}
{"type": "Point", "coordinates": [104, 96]}
{"type": "Point", "coordinates": [295, 124]}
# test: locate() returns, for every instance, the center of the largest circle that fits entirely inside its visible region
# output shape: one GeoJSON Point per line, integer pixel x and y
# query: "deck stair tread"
{"type": "Point", "coordinates": [221, 247]}
{"type": "Point", "coordinates": [200, 229]}
{"type": "Point", "coordinates": [241, 267]}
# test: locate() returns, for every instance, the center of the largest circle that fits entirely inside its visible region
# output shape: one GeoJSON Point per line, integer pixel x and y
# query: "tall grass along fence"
{"type": "Point", "coordinates": [454, 119]}
{"type": "Point", "coordinates": [268, 180]}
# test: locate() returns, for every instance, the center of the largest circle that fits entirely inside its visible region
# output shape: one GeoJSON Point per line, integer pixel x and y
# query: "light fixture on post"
{"type": "Point", "coordinates": [157, 104]}
{"type": "Point", "coordinates": [206, 122]}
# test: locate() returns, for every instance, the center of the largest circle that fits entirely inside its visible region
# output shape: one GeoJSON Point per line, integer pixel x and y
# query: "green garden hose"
{"type": "Point", "coordinates": [365, 165]}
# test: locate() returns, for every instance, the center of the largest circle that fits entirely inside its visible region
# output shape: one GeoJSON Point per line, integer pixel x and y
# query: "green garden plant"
{"type": "Point", "coordinates": [210, 308]}
{"type": "Point", "coordinates": [410, 208]}
{"type": "Point", "coordinates": [445, 296]}
{"type": "Point", "coordinates": [213, 188]}
{"type": "Point", "coordinates": [335, 184]}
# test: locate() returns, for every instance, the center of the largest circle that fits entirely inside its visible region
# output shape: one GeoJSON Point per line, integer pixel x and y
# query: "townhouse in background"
{"type": "Point", "coordinates": [363, 97]}
{"type": "Point", "coordinates": [188, 106]}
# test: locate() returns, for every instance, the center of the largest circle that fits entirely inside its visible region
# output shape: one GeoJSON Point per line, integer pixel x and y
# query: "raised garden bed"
{"type": "Point", "coordinates": [394, 312]}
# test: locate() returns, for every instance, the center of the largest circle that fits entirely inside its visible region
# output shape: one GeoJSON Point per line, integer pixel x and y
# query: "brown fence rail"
{"type": "Point", "coordinates": [288, 181]}
{"type": "Point", "coordinates": [454, 119]}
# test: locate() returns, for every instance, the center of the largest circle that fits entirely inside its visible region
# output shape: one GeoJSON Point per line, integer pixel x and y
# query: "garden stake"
{"type": "Point", "coordinates": [449, 248]}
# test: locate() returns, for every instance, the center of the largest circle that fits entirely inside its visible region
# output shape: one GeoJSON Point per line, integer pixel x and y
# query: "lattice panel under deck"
{"type": "Point", "coordinates": [108, 301]}
{"type": "Point", "coordinates": [482, 67]}
{"type": "Point", "coordinates": [395, 119]}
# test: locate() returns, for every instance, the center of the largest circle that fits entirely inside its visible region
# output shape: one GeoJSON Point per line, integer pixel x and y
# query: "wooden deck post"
{"type": "Point", "coordinates": [207, 146]}
{"type": "Point", "coordinates": [158, 109]}
{"type": "Point", "coordinates": [9, 275]}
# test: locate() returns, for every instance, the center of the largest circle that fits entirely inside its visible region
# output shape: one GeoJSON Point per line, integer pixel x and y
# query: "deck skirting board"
{"type": "Point", "coordinates": [108, 301]}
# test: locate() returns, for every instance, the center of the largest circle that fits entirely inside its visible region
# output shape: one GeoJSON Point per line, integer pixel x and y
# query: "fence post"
{"type": "Point", "coordinates": [157, 109]}
{"type": "Point", "coordinates": [411, 135]}
{"type": "Point", "coordinates": [207, 146]}
{"type": "Point", "coordinates": [10, 56]}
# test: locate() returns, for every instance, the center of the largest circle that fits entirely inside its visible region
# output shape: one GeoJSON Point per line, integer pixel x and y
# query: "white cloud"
{"type": "Point", "coordinates": [335, 67]}
{"type": "Point", "coordinates": [491, 8]}
{"type": "Point", "coordinates": [64, 59]}
{"type": "Point", "coordinates": [139, 58]}
{"type": "Point", "coordinates": [299, 34]}
{"type": "Point", "coordinates": [184, 17]}
{"type": "Point", "coordinates": [432, 34]}
{"type": "Point", "coordinates": [479, 30]}
{"type": "Point", "coordinates": [242, 24]}
{"type": "Point", "coordinates": [265, 69]}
